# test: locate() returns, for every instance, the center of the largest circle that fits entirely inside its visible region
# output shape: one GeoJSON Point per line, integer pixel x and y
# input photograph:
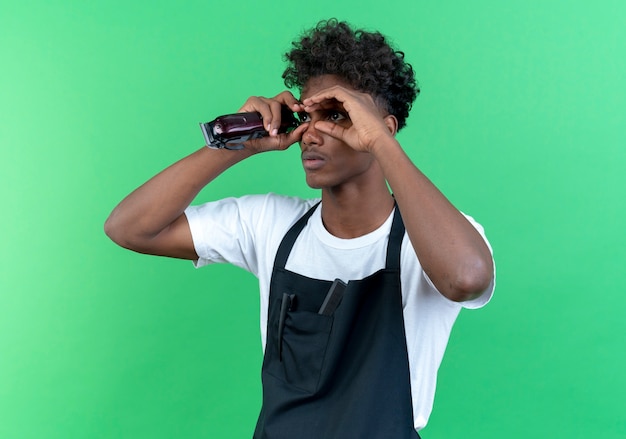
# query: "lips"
{"type": "Point", "coordinates": [312, 160]}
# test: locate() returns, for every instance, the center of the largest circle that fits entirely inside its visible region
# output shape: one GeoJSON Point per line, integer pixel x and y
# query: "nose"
{"type": "Point", "coordinates": [311, 136]}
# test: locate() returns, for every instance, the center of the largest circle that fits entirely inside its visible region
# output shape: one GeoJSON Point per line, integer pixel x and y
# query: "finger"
{"type": "Point", "coordinates": [338, 93]}
{"type": "Point", "coordinates": [263, 144]}
{"type": "Point", "coordinates": [312, 107]}
{"type": "Point", "coordinates": [261, 105]}
{"type": "Point", "coordinates": [288, 99]}
{"type": "Point", "coordinates": [296, 135]}
{"type": "Point", "coordinates": [272, 124]}
{"type": "Point", "coordinates": [251, 104]}
{"type": "Point", "coordinates": [332, 129]}
{"type": "Point", "coordinates": [285, 140]}
{"type": "Point", "coordinates": [279, 142]}
{"type": "Point", "coordinates": [325, 102]}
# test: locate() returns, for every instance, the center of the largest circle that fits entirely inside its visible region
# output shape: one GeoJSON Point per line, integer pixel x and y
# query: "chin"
{"type": "Point", "coordinates": [314, 185]}
{"type": "Point", "coordinates": [319, 182]}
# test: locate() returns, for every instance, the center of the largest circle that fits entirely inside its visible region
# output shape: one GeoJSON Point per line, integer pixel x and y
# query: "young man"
{"type": "Point", "coordinates": [410, 260]}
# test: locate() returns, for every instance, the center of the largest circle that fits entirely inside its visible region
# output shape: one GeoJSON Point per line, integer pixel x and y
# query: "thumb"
{"type": "Point", "coordinates": [332, 129]}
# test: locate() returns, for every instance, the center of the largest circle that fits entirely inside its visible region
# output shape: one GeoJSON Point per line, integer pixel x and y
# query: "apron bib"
{"type": "Point", "coordinates": [338, 376]}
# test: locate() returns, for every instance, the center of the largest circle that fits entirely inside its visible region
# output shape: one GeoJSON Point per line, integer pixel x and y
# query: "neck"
{"type": "Point", "coordinates": [350, 212]}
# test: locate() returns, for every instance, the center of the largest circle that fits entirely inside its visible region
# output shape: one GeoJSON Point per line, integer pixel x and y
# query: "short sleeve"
{"type": "Point", "coordinates": [222, 232]}
{"type": "Point", "coordinates": [243, 231]}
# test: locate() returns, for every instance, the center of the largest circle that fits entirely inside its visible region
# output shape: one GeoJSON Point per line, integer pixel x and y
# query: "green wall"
{"type": "Point", "coordinates": [521, 122]}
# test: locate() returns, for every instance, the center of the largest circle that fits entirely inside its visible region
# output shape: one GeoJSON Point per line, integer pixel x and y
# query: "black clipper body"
{"type": "Point", "coordinates": [232, 130]}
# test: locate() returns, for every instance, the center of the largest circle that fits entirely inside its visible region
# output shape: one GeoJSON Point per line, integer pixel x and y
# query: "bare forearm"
{"type": "Point", "coordinates": [158, 203]}
{"type": "Point", "coordinates": [151, 219]}
{"type": "Point", "coordinates": [450, 249]}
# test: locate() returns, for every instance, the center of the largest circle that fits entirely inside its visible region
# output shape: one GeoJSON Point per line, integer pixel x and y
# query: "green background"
{"type": "Point", "coordinates": [521, 122]}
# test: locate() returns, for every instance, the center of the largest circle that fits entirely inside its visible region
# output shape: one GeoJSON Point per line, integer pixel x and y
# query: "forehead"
{"type": "Point", "coordinates": [318, 83]}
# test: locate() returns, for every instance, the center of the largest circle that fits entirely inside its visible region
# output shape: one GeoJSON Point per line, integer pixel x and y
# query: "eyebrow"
{"type": "Point", "coordinates": [331, 104]}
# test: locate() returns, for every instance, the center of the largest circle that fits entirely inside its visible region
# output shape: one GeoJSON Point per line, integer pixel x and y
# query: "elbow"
{"type": "Point", "coordinates": [471, 281]}
{"type": "Point", "coordinates": [112, 230]}
{"type": "Point", "coordinates": [117, 232]}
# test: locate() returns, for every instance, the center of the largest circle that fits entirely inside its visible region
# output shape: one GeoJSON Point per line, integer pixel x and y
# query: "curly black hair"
{"type": "Point", "coordinates": [363, 59]}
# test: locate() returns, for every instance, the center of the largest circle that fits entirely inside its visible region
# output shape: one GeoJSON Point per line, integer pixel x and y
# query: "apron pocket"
{"type": "Point", "coordinates": [304, 341]}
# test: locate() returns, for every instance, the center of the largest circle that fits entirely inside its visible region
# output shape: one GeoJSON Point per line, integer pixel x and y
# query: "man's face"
{"type": "Point", "coordinates": [328, 162]}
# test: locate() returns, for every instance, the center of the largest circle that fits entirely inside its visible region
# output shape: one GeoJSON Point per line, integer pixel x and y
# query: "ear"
{"type": "Point", "coordinates": [392, 123]}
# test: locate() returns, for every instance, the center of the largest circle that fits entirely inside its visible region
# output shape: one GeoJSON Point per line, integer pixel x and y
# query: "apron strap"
{"type": "Point", "coordinates": [395, 241]}
{"type": "Point", "coordinates": [290, 238]}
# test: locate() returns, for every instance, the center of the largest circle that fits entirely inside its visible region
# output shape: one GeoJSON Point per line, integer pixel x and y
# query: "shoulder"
{"type": "Point", "coordinates": [277, 208]}
{"type": "Point", "coordinates": [279, 204]}
{"type": "Point", "coordinates": [251, 211]}
{"type": "Point", "coordinates": [244, 230]}
{"type": "Point", "coordinates": [277, 212]}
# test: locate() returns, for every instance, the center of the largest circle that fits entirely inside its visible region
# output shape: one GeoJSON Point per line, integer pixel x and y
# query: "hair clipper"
{"type": "Point", "coordinates": [232, 130]}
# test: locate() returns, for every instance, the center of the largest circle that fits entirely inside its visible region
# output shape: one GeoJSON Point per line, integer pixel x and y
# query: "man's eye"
{"type": "Point", "coordinates": [336, 116]}
{"type": "Point", "coordinates": [304, 117]}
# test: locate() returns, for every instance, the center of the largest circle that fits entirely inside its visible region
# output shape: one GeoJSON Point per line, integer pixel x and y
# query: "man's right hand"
{"type": "Point", "coordinates": [270, 109]}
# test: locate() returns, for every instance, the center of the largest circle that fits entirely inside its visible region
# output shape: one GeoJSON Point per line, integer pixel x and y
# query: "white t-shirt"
{"type": "Point", "coordinates": [247, 231]}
